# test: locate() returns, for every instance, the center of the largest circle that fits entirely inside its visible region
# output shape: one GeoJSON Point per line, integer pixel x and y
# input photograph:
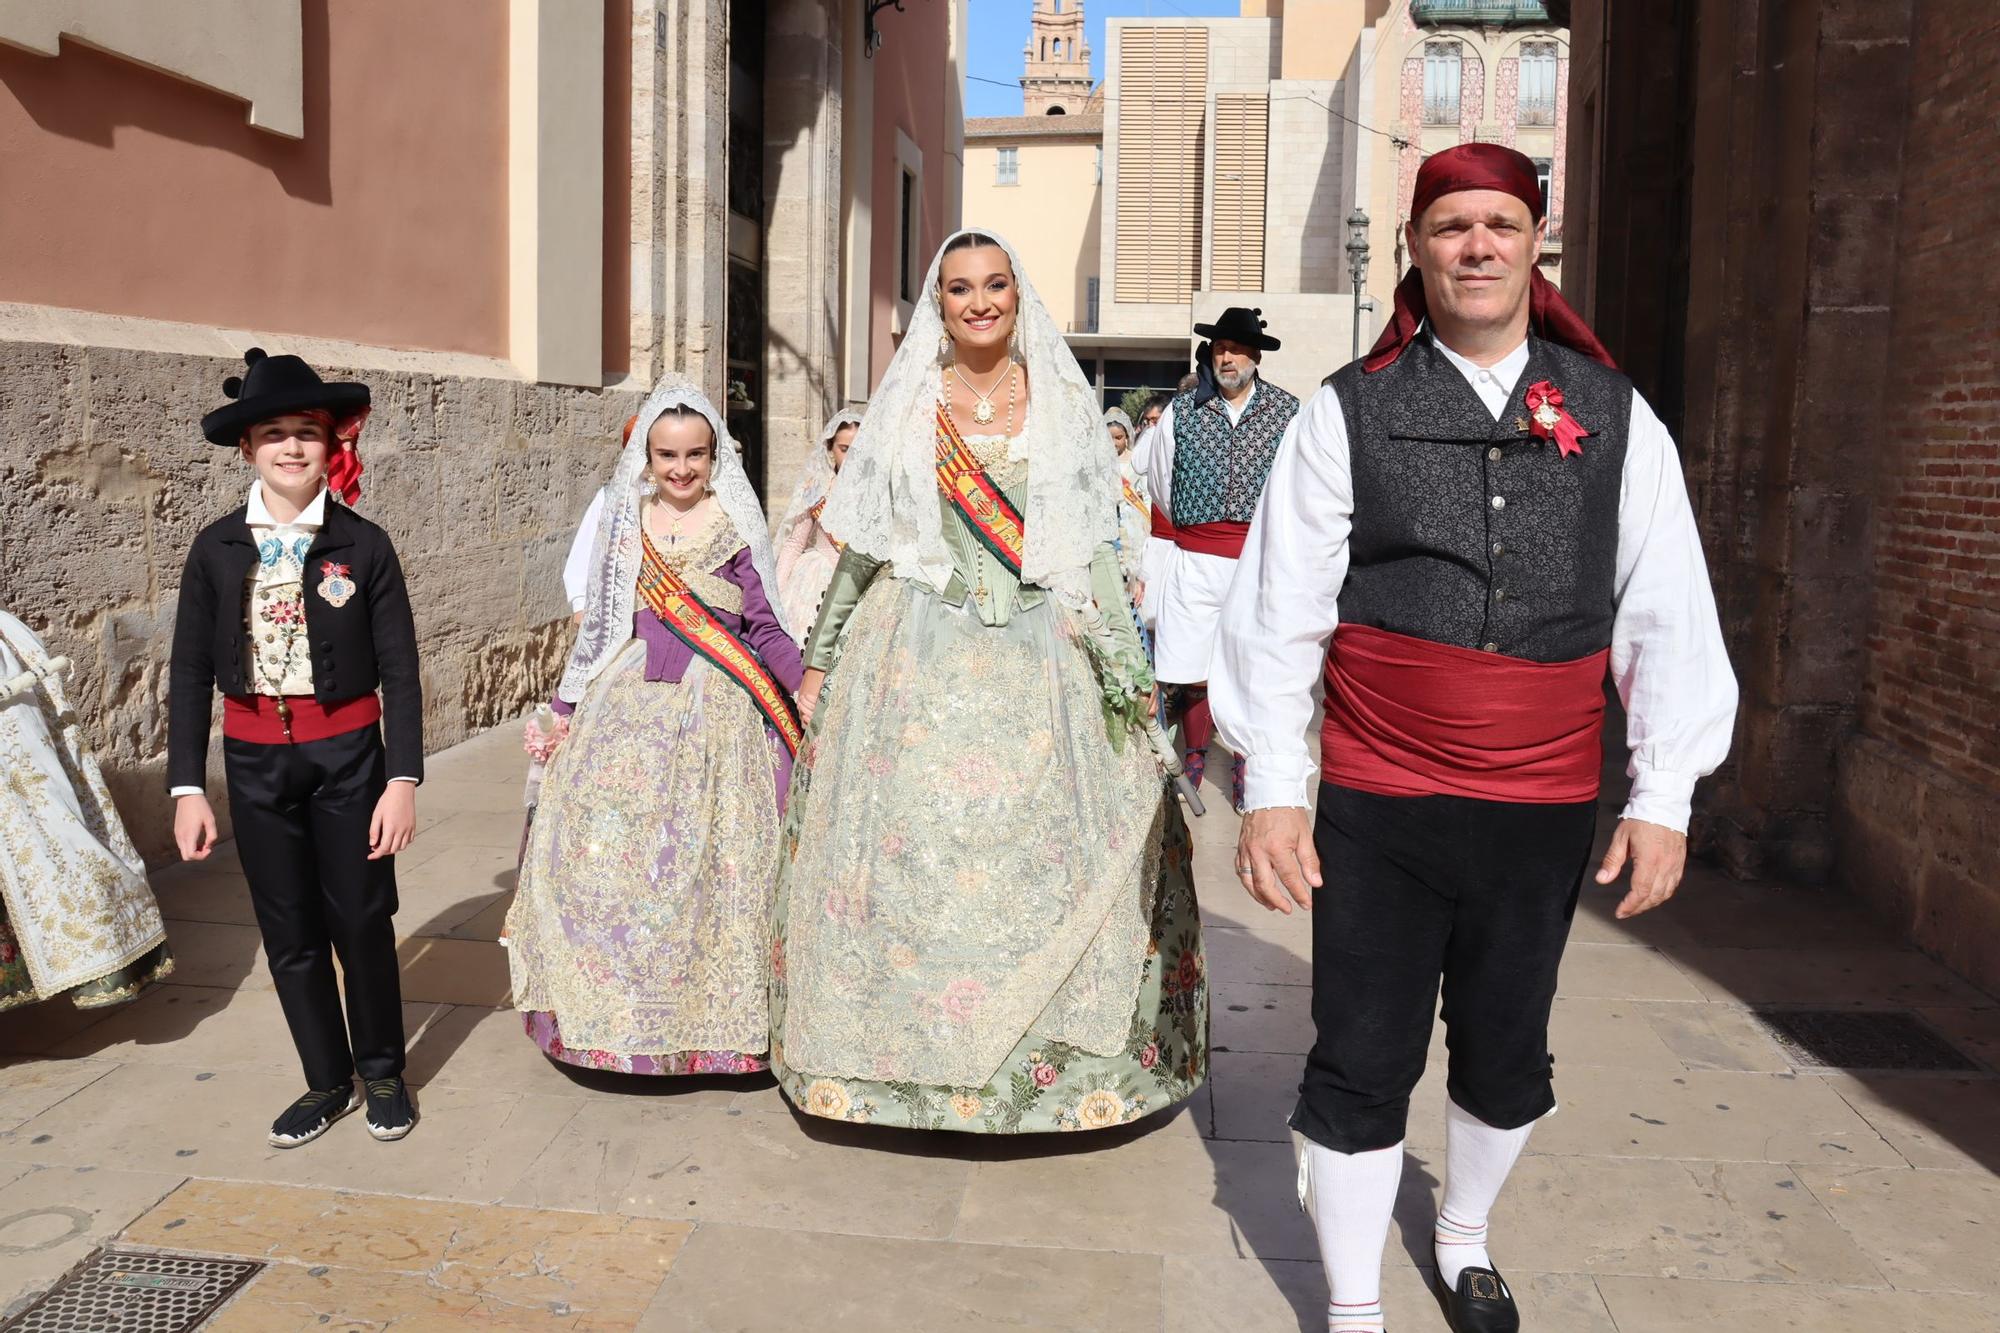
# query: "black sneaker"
{"type": "Point", "coordinates": [312, 1115]}
{"type": "Point", "coordinates": [391, 1114]}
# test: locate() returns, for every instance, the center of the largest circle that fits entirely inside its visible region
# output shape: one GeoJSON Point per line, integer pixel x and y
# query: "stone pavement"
{"type": "Point", "coordinates": [1691, 1180]}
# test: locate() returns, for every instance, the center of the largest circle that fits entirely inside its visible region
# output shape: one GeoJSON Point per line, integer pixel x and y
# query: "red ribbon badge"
{"type": "Point", "coordinates": [1548, 420]}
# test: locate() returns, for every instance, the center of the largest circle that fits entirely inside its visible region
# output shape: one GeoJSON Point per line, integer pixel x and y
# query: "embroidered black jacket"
{"type": "Point", "coordinates": [367, 643]}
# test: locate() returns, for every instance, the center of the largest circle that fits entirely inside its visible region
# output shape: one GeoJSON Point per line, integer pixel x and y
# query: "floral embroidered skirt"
{"type": "Point", "coordinates": [975, 878]}
{"type": "Point", "coordinates": [117, 986]}
{"type": "Point", "coordinates": [639, 939]}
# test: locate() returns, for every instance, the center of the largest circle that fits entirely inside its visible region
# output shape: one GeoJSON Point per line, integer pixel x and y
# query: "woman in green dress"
{"type": "Point", "coordinates": [985, 917]}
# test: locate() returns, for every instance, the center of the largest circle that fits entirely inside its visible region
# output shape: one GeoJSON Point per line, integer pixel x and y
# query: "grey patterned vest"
{"type": "Point", "coordinates": [1220, 469]}
{"type": "Point", "coordinates": [1470, 531]}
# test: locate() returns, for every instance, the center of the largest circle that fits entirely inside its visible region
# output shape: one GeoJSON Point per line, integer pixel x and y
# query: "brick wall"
{"type": "Point", "coordinates": [1920, 785]}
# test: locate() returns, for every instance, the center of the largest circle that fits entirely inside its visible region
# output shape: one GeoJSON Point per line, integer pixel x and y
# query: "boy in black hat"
{"type": "Point", "coordinates": [295, 609]}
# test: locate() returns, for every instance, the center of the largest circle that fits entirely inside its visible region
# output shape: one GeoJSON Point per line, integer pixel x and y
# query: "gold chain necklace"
{"type": "Point", "coordinates": [673, 534]}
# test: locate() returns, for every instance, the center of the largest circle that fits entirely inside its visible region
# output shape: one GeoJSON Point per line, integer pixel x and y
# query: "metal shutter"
{"type": "Point", "coordinates": [1163, 92]}
{"type": "Point", "coordinates": [1236, 256]}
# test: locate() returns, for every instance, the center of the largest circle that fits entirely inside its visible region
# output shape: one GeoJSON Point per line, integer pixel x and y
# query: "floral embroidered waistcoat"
{"type": "Point", "coordinates": [1220, 469]}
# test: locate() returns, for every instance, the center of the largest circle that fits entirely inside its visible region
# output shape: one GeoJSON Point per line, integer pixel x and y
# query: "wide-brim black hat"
{"type": "Point", "coordinates": [271, 386]}
{"type": "Point", "coordinates": [1241, 324]}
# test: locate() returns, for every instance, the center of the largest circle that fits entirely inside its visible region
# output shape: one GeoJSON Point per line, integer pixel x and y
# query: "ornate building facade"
{"type": "Point", "coordinates": [565, 199]}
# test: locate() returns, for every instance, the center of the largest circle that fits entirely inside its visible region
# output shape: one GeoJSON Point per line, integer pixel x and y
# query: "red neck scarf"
{"type": "Point", "coordinates": [1482, 166]}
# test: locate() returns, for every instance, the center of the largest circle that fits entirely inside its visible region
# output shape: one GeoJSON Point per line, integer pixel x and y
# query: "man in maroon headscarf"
{"type": "Point", "coordinates": [1484, 520]}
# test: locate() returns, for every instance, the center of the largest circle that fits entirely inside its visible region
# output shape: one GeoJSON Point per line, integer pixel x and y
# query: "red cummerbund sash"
{"type": "Point", "coordinates": [1163, 527]}
{"type": "Point", "coordinates": [254, 717]}
{"type": "Point", "coordinates": [1408, 717]}
{"type": "Point", "coordinates": [1224, 539]}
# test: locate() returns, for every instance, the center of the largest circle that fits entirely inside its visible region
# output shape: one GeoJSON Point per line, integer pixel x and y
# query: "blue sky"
{"type": "Point", "coordinates": [999, 29]}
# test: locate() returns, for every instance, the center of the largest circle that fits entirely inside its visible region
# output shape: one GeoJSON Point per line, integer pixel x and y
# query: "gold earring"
{"type": "Point", "coordinates": [944, 347]}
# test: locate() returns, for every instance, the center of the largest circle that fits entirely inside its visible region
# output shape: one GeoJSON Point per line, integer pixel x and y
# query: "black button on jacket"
{"type": "Point", "coordinates": [370, 642]}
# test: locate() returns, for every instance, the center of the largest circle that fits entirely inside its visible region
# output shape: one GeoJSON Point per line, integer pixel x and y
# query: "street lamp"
{"type": "Point", "coordinates": [1357, 267]}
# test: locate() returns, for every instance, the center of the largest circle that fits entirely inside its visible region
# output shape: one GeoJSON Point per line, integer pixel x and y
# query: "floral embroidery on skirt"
{"type": "Point", "coordinates": [641, 929]}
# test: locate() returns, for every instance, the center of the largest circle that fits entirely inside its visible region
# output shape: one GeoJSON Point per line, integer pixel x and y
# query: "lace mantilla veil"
{"type": "Point", "coordinates": [885, 502]}
{"type": "Point", "coordinates": [614, 556]}
{"type": "Point", "coordinates": [819, 474]}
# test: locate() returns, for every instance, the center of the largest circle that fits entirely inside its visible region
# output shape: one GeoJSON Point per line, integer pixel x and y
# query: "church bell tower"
{"type": "Point", "coordinates": [1057, 82]}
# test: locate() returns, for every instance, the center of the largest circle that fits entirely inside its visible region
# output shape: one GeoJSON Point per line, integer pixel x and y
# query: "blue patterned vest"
{"type": "Point", "coordinates": [1220, 469]}
{"type": "Point", "coordinates": [1470, 531]}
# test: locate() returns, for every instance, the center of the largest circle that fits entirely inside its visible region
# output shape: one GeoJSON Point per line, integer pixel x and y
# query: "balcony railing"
{"type": "Point", "coordinates": [1500, 12]}
{"type": "Point", "coordinates": [1536, 113]}
{"type": "Point", "coordinates": [1441, 111]}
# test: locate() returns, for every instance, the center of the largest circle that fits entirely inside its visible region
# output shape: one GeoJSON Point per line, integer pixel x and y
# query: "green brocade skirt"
{"type": "Point", "coordinates": [1042, 1084]}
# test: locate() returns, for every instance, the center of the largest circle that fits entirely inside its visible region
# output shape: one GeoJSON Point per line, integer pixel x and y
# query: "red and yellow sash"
{"type": "Point", "coordinates": [1132, 496]}
{"type": "Point", "coordinates": [819, 507]}
{"type": "Point", "coordinates": [991, 516]}
{"type": "Point", "coordinates": [691, 621]}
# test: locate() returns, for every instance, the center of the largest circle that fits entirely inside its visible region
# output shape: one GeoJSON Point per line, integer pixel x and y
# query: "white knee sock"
{"type": "Point", "coordinates": [1351, 1198]}
{"type": "Point", "coordinates": [1477, 1160]}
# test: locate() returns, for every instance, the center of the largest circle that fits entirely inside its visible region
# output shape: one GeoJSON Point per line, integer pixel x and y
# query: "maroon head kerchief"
{"type": "Point", "coordinates": [1482, 166]}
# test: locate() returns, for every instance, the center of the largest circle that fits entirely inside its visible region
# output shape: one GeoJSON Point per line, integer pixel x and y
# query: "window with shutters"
{"type": "Point", "coordinates": [1537, 104]}
{"type": "Point", "coordinates": [1441, 82]}
{"type": "Point", "coordinates": [1236, 220]}
{"type": "Point", "coordinates": [1163, 78]}
{"type": "Point", "coordinates": [1545, 175]}
{"type": "Point", "coordinates": [1007, 166]}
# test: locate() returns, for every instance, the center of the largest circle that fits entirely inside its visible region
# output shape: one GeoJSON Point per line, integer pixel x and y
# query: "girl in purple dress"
{"type": "Point", "coordinates": [639, 939]}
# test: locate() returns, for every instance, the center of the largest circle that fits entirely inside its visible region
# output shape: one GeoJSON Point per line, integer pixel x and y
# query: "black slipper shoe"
{"type": "Point", "coordinates": [391, 1114]}
{"type": "Point", "coordinates": [312, 1115]}
{"type": "Point", "coordinates": [1482, 1302]}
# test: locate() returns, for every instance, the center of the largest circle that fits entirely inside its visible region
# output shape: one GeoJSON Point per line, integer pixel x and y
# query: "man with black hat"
{"type": "Point", "coordinates": [294, 608]}
{"type": "Point", "coordinates": [1210, 457]}
{"type": "Point", "coordinates": [1485, 519]}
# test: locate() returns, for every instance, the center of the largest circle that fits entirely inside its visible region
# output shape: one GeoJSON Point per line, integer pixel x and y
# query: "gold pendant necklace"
{"type": "Point", "coordinates": [676, 517]}
{"type": "Point", "coordinates": [983, 410]}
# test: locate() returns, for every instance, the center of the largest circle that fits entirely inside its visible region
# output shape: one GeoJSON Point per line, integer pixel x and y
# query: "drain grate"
{"type": "Point", "coordinates": [136, 1291]}
{"type": "Point", "coordinates": [1863, 1039]}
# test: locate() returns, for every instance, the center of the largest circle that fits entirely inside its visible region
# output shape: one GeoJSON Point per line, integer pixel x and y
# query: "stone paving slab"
{"type": "Point", "coordinates": [1691, 1180]}
{"type": "Point", "coordinates": [53, 1217]}
{"type": "Point", "coordinates": [343, 1259]}
{"type": "Point", "coordinates": [734, 1279]}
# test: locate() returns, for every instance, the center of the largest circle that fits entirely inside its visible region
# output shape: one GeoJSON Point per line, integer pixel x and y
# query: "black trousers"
{"type": "Point", "coordinates": [301, 814]}
{"type": "Point", "coordinates": [1418, 890]}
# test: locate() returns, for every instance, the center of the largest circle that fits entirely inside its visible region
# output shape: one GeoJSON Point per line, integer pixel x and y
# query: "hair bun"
{"type": "Point", "coordinates": [254, 355]}
{"type": "Point", "coordinates": [233, 386]}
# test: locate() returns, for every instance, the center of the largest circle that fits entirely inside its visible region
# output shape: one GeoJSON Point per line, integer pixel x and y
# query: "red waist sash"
{"type": "Point", "coordinates": [1408, 717]}
{"type": "Point", "coordinates": [254, 717]}
{"type": "Point", "coordinates": [1163, 527]}
{"type": "Point", "coordinates": [1224, 539]}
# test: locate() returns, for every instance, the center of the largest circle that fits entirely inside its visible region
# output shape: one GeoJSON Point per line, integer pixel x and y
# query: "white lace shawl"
{"type": "Point", "coordinates": [819, 474]}
{"type": "Point", "coordinates": [1115, 416]}
{"type": "Point", "coordinates": [885, 502]}
{"type": "Point", "coordinates": [614, 555]}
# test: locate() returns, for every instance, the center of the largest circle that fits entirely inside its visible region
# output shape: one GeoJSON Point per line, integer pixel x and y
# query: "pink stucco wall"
{"type": "Point", "coordinates": [909, 75]}
{"type": "Point", "coordinates": [136, 193]}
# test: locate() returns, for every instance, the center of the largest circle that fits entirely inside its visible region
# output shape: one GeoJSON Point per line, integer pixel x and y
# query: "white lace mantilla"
{"type": "Point", "coordinates": [884, 503]}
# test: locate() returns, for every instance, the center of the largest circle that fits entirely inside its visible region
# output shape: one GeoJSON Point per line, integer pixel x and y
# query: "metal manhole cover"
{"type": "Point", "coordinates": [1863, 1039]}
{"type": "Point", "coordinates": [136, 1291]}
